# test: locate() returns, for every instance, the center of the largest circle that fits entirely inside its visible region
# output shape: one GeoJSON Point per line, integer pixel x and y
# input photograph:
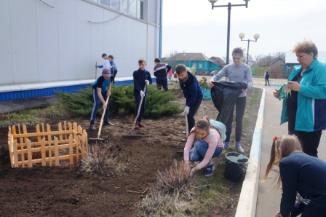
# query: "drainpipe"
{"type": "Point", "coordinates": [161, 29]}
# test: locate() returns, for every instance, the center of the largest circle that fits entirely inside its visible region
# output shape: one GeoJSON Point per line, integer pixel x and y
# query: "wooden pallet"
{"type": "Point", "coordinates": [46, 147]}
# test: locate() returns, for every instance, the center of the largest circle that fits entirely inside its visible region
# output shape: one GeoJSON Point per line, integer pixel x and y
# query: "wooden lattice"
{"type": "Point", "coordinates": [44, 147]}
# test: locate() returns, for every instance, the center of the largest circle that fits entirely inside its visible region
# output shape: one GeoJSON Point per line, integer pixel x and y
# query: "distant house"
{"type": "Point", "coordinates": [291, 60]}
{"type": "Point", "coordinates": [217, 60]}
{"type": "Point", "coordinates": [197, 62]}
{"type": "Point", "coordinates": [278, 68]}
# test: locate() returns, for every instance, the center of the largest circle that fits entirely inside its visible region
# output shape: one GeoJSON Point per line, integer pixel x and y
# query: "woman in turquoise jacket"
{"type": "Point", "coordinates": [304, 108]}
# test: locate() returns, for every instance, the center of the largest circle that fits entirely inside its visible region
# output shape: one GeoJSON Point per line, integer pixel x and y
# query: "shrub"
{"type": "Point", "coordinates": [203, 83]}
{"type": "Point", "coordinates": [170, 195]}
{"type": "Point", "coordinates": [101, 161]}
{"type": "Point", "coordinates": [78, 103]}
{"type": "Point", "coordinates": [173, 179]}
{"type": "Point", "coordinates": [158, 103]}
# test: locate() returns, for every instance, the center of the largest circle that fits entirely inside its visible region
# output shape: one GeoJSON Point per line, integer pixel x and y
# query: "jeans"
{"type": "Point", "coordinates": [96, 105]}
{"type": "Point", "coordinates": [197, 153]}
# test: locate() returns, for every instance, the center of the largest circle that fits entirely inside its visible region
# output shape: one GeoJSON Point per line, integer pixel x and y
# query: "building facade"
{"type": "Point", "coordinates": [44, 42]}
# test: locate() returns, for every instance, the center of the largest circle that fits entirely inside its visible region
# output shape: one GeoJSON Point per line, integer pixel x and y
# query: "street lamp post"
{"type": "Point", "coordinates": [242, 35]}
{"type": "Point", "coordinates": [229, 6]}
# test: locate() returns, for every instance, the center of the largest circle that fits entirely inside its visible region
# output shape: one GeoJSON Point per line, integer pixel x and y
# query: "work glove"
{"type": "Point", "coordinates": [142, 93]}
{"type": "Point", "coordinates": [147, 82]}
{"type": "Point", "coordinates": [186, 111]}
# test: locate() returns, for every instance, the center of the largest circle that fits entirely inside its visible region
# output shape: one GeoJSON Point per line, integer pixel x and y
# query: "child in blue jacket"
{"type": "Point", "coordinates": [141, 78]}
{"type": "Point", "coordinates": [191, 91]}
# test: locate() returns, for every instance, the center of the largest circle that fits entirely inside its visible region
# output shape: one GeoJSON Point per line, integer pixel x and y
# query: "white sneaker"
{"type": "Point", "coordinates": [111, 124]}
{"type": "Point", "coordinates": [239, 148]}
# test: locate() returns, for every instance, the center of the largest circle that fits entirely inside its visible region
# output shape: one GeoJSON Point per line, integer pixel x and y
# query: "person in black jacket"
{"type": "Point", "coordinates": [141, 78]}
{"type": "Point", "coordinates": [160, 72]}
{"type": "Point", "coordinates": [114, 68]}
{"type": "Point", "coordinates": [302, 174]}
{"type": "Point", "coordinates": [191, 91]}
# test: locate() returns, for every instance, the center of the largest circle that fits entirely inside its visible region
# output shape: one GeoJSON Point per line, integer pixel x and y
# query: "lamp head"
{"type": "Point", "coordinates": [256, 36]}
{"type": "Point", "coordinates": [246, 1]}
{"type": "Point", "coordinates": [241, 35]}
{"type": "Point", "coordinates": [212, 2]}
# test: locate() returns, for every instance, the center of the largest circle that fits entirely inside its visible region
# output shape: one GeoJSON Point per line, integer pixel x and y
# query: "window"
{"type": "Point", "coordinates": [115, 4]}
{"type": "Point", "coordinates": [134, 8]}
{"type": "Point", "coordinates": [105, 2]}
{"type": "Point", "coordinates": [140, 10]}
{"type": "Point", "coordinates": [124, 6]}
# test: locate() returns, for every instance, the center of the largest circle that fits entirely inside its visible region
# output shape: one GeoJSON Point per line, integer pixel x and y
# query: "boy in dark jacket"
{"type": "Point", "coordinates": [101, 90]}
{"type": "Point", "coordinates": [114, 68]}
{"type": "Point", "coordinates": [191, 91]}
{"type": "Point", "coordinates": [141, 78]}
{"type": "Point", "coordinates": [160, 72]}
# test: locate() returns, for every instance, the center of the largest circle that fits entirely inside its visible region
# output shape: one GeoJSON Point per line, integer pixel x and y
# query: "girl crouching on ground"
{"type": "Point", "coordinates": [204, 142]}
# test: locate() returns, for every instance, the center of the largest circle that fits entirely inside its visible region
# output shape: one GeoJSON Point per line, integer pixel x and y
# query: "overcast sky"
{"type": "Point", "coordinates": [192, 26]}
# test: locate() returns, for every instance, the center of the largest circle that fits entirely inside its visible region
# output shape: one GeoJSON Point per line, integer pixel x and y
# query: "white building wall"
{"type": "Point", "coordinates": [40, 43]}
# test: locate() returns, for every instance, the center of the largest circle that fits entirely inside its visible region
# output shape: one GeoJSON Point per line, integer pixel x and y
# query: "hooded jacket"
{"type": "Point", "coordinates": [311, 107]}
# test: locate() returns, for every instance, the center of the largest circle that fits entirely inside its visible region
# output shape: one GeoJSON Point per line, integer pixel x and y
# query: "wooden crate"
{"type": "Point", "coordinates": [61, 147]}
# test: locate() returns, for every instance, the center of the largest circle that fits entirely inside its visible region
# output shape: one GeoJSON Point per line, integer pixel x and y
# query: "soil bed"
{"type": "Point", "coordinates": [64, 192]}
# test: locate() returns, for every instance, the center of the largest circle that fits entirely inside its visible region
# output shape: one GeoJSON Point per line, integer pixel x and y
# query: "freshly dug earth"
{"type": "Point", "coordinates": [65, 192]}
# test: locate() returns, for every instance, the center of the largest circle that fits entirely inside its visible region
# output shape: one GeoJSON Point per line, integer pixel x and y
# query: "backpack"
{"type": "Point", "coordinates": [220, 127]}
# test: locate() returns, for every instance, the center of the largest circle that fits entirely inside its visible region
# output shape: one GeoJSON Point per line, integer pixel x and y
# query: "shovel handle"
{"type": "Point", "coordinates": [187, 127]}
{"type": "Point", "coordinates": [139, 106]}
{"type": "Point", "coordinates": [103, 113]}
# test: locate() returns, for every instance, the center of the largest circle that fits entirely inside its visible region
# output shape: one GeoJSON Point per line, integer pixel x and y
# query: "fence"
{"type": "Point", "coordinates": [44, 147]}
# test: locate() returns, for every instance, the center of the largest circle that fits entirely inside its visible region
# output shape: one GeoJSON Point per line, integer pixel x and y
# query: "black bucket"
{"type": "Point", "coordinates": [235, 166]}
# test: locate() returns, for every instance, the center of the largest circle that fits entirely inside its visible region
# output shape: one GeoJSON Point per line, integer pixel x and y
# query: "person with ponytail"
{"type": "Point", "coordinates": [299, 174]}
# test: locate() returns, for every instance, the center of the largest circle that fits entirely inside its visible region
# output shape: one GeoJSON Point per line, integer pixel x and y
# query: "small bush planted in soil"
{"type": "Point", "coordinates": [175, 178]}
{"type": "Point", "coordinates": [169, 194]}
{"type": "Point", "coordinates": [158, 103]}
{"type": "Point", "coordinates": [101, 161]}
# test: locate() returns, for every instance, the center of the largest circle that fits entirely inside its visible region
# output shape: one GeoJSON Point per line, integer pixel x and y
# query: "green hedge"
{"type": "Point", "coordinates": [158, 103]}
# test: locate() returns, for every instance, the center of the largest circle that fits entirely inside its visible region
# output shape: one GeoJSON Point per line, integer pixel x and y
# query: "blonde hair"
{"type": "Point", "coordinates": [307, 47]}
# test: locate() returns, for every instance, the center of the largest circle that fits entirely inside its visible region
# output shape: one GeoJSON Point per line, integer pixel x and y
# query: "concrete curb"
{"type": "Point", "coordinates": [248, 197]}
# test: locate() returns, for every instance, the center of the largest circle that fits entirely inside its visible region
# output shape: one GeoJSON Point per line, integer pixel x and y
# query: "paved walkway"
{"type": "Point", "coordinates": [268, 194]}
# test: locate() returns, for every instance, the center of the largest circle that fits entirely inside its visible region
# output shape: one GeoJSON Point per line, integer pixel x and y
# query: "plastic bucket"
{"type": "Point", "coordinates": [235, 166]}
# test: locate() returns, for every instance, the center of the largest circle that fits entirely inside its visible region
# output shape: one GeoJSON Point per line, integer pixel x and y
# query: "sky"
{"type": "Point", "coordinates": [192, 26]}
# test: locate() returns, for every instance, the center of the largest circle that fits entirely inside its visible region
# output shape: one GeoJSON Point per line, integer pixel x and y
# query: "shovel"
{"type": "Point", "coordinates": [132, 133]}
{"type": "Point", "coordinates": [139, 107]}
{"type": "Point", "coordinates": [187, 127]}
{"type": "Point", "coordinates": [180, 148]}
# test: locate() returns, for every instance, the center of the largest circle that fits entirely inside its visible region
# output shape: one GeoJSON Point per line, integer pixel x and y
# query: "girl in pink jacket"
{"type": "Point", "coordinates": [204, 142]}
